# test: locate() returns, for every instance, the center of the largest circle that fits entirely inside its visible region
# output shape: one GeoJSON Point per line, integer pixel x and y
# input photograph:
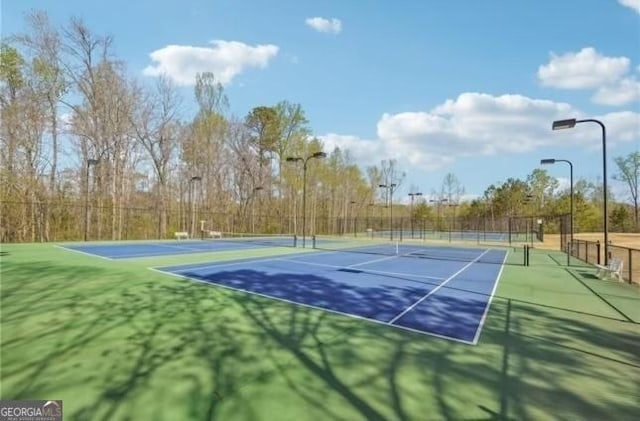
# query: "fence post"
{"type": "Point", "coordinates": [630, 266]}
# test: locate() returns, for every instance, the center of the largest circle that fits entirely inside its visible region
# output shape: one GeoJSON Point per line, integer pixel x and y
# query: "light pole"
{"type": "Point", "coordinates": [369, 215]}
{"type": "Point", "coordinates": [412, 195]}
{"type": "Point", "coordinates": [354, 218]}
{"type": "Point", "coordinates": [253, 203]}
{"type": "Point", "coordinates": [390, 188]}
{"type": "Point", "coordinates": [192, 218]}
{"type": "Point", "coordinates": [452, 225]}
{"type": "Point", "coordinates": [90, 162]}
{"type": "Point", "coordinates": [304, 187]}
{"type": "Point", "coordinates": [553, 161]}
{"type": "Point", "coordinates": [528, 200]}
{"type": "Point", "coordinates": [438, 202]}
{"type": "Point", "coordinates": [571, 123]}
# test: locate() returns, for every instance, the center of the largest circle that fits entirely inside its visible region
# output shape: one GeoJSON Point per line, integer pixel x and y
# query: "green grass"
{"type": "Point", "coordinates": [115, 340]}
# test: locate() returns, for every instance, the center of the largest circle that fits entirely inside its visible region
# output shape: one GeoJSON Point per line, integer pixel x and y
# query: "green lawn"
{"type": "Point", "coordinates": [115, 340]}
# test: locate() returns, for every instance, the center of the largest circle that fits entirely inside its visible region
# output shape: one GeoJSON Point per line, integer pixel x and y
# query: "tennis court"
{"type": "Point", "coordinates": [430, 294]}
{"type": "Point", "coordinates": [165, 248]}
{"type": "Point", "coordinates": [334, 332]}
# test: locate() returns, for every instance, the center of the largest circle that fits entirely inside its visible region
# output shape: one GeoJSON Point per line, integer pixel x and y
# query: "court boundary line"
{"type": "Point", "coordinates": [372, 261]}
{"type": "Point", "coordinates": [353, 316]}
{"type": "Point", "coordinates": [178, 252]}
{"type": "Point", "coordinates": [83, 252]}
{"type": "Point", "coordinates": [375, 272]}
{"type": "Point", "coordinates": [476, 336]}
{"type": "Point", "coordinates": [209, 265]}
{"type": "Point", "coordinates": [185, 247]}
{"type": "Point", "coordinates": [433, 291]}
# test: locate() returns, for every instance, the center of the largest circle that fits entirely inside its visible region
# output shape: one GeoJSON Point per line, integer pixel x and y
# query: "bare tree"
{"type": "Point", "coordinates": [157, 128]}
{"type": "Point", "coordinates": [101, 122]}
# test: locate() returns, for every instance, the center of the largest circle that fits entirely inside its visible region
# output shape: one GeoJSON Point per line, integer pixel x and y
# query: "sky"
{"type": "Point", "coordinates": [467, 87]}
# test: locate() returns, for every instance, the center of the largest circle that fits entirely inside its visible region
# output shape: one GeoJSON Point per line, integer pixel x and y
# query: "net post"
{"type": "Point", "coordinates": [598, 251]}
{"type": "Point", "coordinates": [569, 249]}
{"type": "Point", "coordinates": [295, 241]}
{"type": "Point", "coordinates": [313, 241]}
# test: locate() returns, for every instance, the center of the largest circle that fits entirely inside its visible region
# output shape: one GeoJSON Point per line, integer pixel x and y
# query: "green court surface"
{"type": "Point", "coordinates": [115, 340]}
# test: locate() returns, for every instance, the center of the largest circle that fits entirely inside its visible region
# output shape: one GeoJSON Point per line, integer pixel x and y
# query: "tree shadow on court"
{"type": "Point", "coordinates": [117, 343]}
{"type": "Point", "coordinates": [542, 350]}
{"type": "Point", "coordinates": [103, 338]}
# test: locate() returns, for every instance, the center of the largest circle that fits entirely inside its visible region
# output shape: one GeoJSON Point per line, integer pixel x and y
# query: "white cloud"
{"type": "Point", "coordinates": [586, 69]}
{"type": "Point", "coordinates": [332, 26]}
{"type": "Point", "coordinates": [623, 92]}
{"type": "Point", "coordinates": [476, 124]}
{"type": "Point", "coordinates": [225, 59]}
{"type": "Point", "coordinates": [633, 4]}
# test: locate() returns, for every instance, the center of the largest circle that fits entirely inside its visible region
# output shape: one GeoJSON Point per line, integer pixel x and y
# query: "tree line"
{"type": "Point", "coordinates": [88, 148]}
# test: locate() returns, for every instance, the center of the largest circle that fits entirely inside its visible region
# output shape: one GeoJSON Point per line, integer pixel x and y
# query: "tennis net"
{"type": "Point", "coordinates": [277, 240]}
{"type": "Point", "coordinates": [515, 256]}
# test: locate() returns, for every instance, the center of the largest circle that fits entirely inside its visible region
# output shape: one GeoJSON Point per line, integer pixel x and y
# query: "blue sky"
{"type": "Point", "coordinates": [468, 87]}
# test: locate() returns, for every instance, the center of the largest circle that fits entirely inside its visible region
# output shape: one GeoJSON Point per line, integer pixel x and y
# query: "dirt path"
{"type": "Point", "coordinates": [552, 241]}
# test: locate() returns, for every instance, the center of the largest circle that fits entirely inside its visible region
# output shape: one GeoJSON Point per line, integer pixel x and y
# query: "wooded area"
{"type": "Point", "coordinates": [89, 151]}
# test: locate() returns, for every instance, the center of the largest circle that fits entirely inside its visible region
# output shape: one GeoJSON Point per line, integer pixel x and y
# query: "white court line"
{"type": "Point", "coordinates": [83, 252]}
{"type": "Point", "coordinates": [353, 316]}
{"type": "Point", "coordinates": [239, 262]}
{"type": "Point", "coordinates": [405, 311]}
{"type": "Point", "coordinates": [377, 272]}
{"type": "Point", "coordinates": [476, 337]}
{"type": "Point", "coordinates": [173, 246]}
{"type": "Point", "coordinates": [372, 261]}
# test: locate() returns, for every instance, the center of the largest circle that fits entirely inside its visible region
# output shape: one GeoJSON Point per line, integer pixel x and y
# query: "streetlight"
{"type": "Point", "coordinates": [412, 195]}
{"type": "Point", "coordinates": [452, 224]}
{"type": "Point", "coordinates": [90, 162]}
{"type": "Point", "coordinates": [253, 202]}
{"type": "Point", "coordinates": [304, 186]}
{"type": "Point", "coordinates": [571, 123]}
{"type": "Point", "coordinates": [353, 215]}
{"type": "Point", "coordinates": [438, 202]}
{"type": "Point", "coordinates": [553, 161]}
{"type": "Point", "coordinates": [390, 187]}
{"type": "Point", "coordinates": [193, 219]}
{"type": "Point", "coordinates": [370, 207]}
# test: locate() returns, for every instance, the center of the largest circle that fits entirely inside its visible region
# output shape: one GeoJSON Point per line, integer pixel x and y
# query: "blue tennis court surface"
{"type": "Point", "coordinates": [434, 295]}
{"type": "Point", "coordinates": [150, 249]}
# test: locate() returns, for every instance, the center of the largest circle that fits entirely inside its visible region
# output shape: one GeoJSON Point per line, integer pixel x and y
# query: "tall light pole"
{"type": "Point", "coordinates": [452, 225]}
{"type": "Point", "coordinates": [438, 202]}
{"type": "Point", "coordinates": [90, 162]}
{"type": "Point", "coordinates": [192, 218]}
{"type": "Point", "coordinates": [304, 187]}
{"type": "Point", "coordinates": [553, 161]}
{"type": "Point", "coordinates": [390, 188]}
{"type": "Point", "coordinates": [253, 203]}
{"type": "Point", "coordinates": [412, 195]}
{"type": "Point", "coordinates": [353, 217]}
{"type": "Point", "coordinates": [571, 123]}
